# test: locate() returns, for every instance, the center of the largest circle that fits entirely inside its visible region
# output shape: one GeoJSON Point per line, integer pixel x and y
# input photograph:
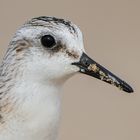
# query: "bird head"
{"type": "Point", "coordinates": [49, 48]}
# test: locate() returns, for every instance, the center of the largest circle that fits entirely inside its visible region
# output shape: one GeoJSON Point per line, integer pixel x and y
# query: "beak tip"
{"type": "Point", "coordinates": [128, 89]}
{"type": "Point", "coordinates": [131, 90]}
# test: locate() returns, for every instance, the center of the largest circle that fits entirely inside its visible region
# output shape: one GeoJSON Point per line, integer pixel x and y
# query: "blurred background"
{"type": "Point", "coordinates": [92, 110]}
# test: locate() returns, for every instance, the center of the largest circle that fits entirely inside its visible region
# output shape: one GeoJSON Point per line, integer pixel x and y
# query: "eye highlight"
{"type": "Point", "coordinates": [48, 41]}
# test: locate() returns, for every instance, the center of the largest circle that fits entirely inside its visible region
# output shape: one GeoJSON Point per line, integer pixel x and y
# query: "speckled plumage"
{"type": "Point", "coordinates": [51, 22]}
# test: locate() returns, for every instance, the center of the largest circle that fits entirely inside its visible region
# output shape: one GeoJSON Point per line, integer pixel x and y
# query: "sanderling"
{"type": "Point", "coordinates": [42, 55]}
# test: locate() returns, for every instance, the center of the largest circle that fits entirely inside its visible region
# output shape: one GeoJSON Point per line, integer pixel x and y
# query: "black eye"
{"type": "Point", "coordinates": [48, 41]}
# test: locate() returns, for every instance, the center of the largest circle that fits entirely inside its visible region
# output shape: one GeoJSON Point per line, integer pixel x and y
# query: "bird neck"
{"type": "Point", "coordinates": [37, 109]}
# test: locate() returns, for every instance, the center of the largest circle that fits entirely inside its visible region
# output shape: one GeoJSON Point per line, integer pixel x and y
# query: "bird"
{"type": "Point", "coordinates": [42, 55]}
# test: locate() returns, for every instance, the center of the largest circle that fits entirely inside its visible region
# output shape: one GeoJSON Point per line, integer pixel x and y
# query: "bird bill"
{"type": "Point", "coordinates": [92, 68]}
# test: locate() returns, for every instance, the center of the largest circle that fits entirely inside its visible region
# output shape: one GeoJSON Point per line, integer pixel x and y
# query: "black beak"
{"type": "Point", "coordinates": [92, 68]}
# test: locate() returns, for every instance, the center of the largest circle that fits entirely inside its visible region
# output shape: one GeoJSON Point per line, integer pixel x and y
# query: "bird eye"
{"type": "Point", "coordinates": [48, 41]}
